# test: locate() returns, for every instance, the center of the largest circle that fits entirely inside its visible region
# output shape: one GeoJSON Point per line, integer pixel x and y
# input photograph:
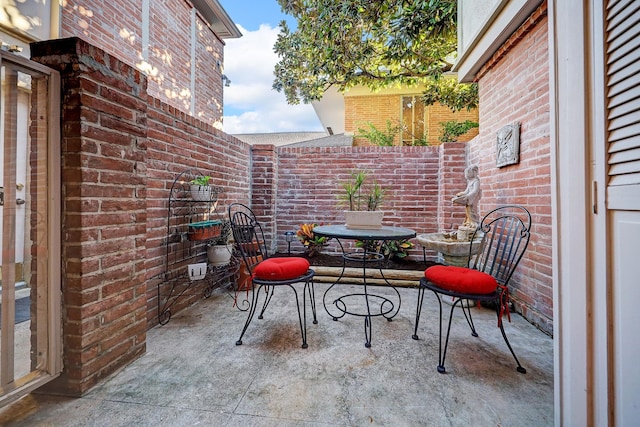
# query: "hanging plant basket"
{"type": "Point", "coordinates": [204, 230]}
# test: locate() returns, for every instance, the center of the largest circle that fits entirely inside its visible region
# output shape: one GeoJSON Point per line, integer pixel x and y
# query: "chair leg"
{"type": "Point", "coordinates": [267, 300]}
{"type": "Point", "coordinates": [418, 311]}
{"type": "Point", "coordinates": [467, 316]}
{"type": "Point", "coordinates": [519, 368]}
{"type": "Point", "coordinates": [312, 300]}
{"type": "Point", "coordinates": [301, 319]}
{"type": "Point", "coordinates": [252, 311]}
{"type": "Point", "coordinates": [442, 351]}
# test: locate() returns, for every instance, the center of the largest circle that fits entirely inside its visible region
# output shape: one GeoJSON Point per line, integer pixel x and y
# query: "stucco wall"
{"type": "Point", "coordinates": [472, 14]}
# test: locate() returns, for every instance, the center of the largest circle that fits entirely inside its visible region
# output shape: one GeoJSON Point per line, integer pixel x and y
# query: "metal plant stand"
{"type": "Point", "coordinates": [190, 224]}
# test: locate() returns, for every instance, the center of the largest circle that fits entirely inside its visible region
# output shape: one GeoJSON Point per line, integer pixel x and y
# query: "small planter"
{"type": "Point", "coordinates": [204, 230]}
{"type": "Point", "coordinates": [363, 220]}
{"type": "Point", "coordinates": [201, 193]}
{"type": "Point", "coordinates": [219, 255]}
{"type": "Point", "coordinates": [197, 271]}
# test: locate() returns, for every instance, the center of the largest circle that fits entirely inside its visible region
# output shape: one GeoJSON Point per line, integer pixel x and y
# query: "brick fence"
{"type": "Point", "coordinates": [309, 181]}
{"type": "Point", "coordinates": [121, 151]}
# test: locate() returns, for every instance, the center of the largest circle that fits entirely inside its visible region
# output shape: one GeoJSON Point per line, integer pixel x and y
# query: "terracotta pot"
{"type": "Point", "coordinates": [204, 230]}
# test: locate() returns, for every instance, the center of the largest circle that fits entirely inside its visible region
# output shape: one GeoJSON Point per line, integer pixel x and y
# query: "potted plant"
{"type": "Point", "coordinates": [362, 200]}
{"type": "Point", "coordinates": [398, 249]}
{"type": "Point", "coordinates": [220, 248]}
{"type": "Point", "coordinates": [200, 189]}
{"type": "Point", "coordinates": [313, 244]}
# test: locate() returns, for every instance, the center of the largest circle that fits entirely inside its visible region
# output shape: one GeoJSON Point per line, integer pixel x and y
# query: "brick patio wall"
{"type": "Point", "coordinates": [177, 142]}
{"type": "Point", "coordinates": [104, 180]}
{"type": "Point", "coordinates": [514, 87]}
{"type": "Point", "coordinates": [167, 61]}
{"type": "Point", "coordinates": [309, 180]}
{"type": "Point", "coordinates": [122, 149]}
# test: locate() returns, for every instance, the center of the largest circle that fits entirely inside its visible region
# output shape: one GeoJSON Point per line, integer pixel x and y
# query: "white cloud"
{"type": "Point", "coordinates": [251, 105]}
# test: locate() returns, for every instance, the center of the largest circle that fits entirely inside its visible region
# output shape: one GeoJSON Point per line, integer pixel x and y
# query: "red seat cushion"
{"type": "Point", "coordinates": [284, 268]}
{"type": "Point", "coordinates": [461, 279]}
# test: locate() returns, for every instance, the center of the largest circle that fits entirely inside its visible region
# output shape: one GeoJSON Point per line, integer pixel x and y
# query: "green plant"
{"type": "Point", "coordinates": [201, 180]}
{"type": "Point", "coordinates": [224, 237]}
{"type": "Point", "coordinates": [420, 141]}
{"type": "Point", "coordinates": [359, 194]}
{"type": "Point", "coordinates": [313, 244]}
{"type": "Point", "coordinates": [451, 130]}
{"type": "Point", "coordinates": [375, 44]}
{"type": "Point", "coordinates": [371, 247]}
{"type": "Point", "coordinates": [389, 248]}
{"type": "Point", "coordinates": [379, 137]}
{"type": "Point", "coordinates": [447, 91]}
{"type": "Point", "coordinates": [396, 248]}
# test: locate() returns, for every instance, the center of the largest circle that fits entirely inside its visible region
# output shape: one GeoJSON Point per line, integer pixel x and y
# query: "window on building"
{"type": "Point", "coordinates": [412, 118]}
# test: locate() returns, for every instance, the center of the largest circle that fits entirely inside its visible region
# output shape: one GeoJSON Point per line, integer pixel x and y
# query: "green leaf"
{"type": "Point", "coordinates": [377, 44]}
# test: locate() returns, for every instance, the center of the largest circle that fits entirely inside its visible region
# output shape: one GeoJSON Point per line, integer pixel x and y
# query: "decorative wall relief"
{"type": "Point", "coordinates": [508, 145]}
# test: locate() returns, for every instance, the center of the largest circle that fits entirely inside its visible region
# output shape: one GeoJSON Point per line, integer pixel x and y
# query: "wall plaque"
{"type": "Point", "coordinates": [508, 145]}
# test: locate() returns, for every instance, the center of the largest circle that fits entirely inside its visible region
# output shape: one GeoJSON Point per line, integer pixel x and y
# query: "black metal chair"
{"type": "Point", "coordinates": [269, 272]}
{"type": "Point", "coordinates": [505, 233]}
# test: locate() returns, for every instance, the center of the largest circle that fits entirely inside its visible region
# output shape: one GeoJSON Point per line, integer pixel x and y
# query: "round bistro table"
{"type": "Point", "coordinates": [374, 303]}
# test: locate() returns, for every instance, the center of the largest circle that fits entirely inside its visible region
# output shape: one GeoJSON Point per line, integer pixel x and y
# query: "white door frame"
{"type": "Point", "coordinates": [581, 284]}
{"type": "Point", "coordinates": [43, 217]}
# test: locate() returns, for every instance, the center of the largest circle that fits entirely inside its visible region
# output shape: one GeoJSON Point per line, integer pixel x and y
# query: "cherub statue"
{"type": "Point", "coordinates": [470, 198]}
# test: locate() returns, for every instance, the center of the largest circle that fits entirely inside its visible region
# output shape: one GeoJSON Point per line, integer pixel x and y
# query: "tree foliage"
{"type": "Point", "coordinates": [382, 138]}
{"type": "Point", "coordinates": [382, 43]}
{"type": "Point", "coordinates": [451, 130]}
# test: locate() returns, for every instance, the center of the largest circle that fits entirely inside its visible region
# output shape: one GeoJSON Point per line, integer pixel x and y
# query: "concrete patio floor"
{"type": "Point", "coordinates": [194, 374]}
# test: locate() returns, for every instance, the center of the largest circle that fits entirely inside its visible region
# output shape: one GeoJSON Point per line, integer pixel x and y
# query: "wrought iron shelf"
{"type": "Point", "coordinates": [184, 248]}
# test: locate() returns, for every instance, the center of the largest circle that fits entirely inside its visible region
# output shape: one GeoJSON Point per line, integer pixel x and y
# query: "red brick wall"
{"type": "Point", "coordinates": [114, 26]}
{"type": "Point", "coordinates": [168, 66]}
{"type": "Point", "coordinates": [103, 247]}
{"type": "Point", "coordinates": [309, 181]}
{"type": "Point", "coordinates": [451, 165]}
{"type": "Point", "coordinates": [515, 89]}
{"type": "Point", "coordinates": [170, 52]}
{"type": "Point", "coordinates": [177, 142]}
{"type": "Point", "coordinates": [208, 78]}
{"type": "Point", "coordinates": [121, 151]}
{"type": "Point", "coordinates": [264, 189]}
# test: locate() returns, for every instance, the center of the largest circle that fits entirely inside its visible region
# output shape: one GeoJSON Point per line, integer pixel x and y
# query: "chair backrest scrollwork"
{"type": "Point", "coordinates": [247, 235]}
{"type": "Point", "coordinates": [505, 236]}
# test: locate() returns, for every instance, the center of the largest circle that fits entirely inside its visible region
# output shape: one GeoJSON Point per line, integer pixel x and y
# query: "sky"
{"type": "Point", "coordinates": [250, 104]}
